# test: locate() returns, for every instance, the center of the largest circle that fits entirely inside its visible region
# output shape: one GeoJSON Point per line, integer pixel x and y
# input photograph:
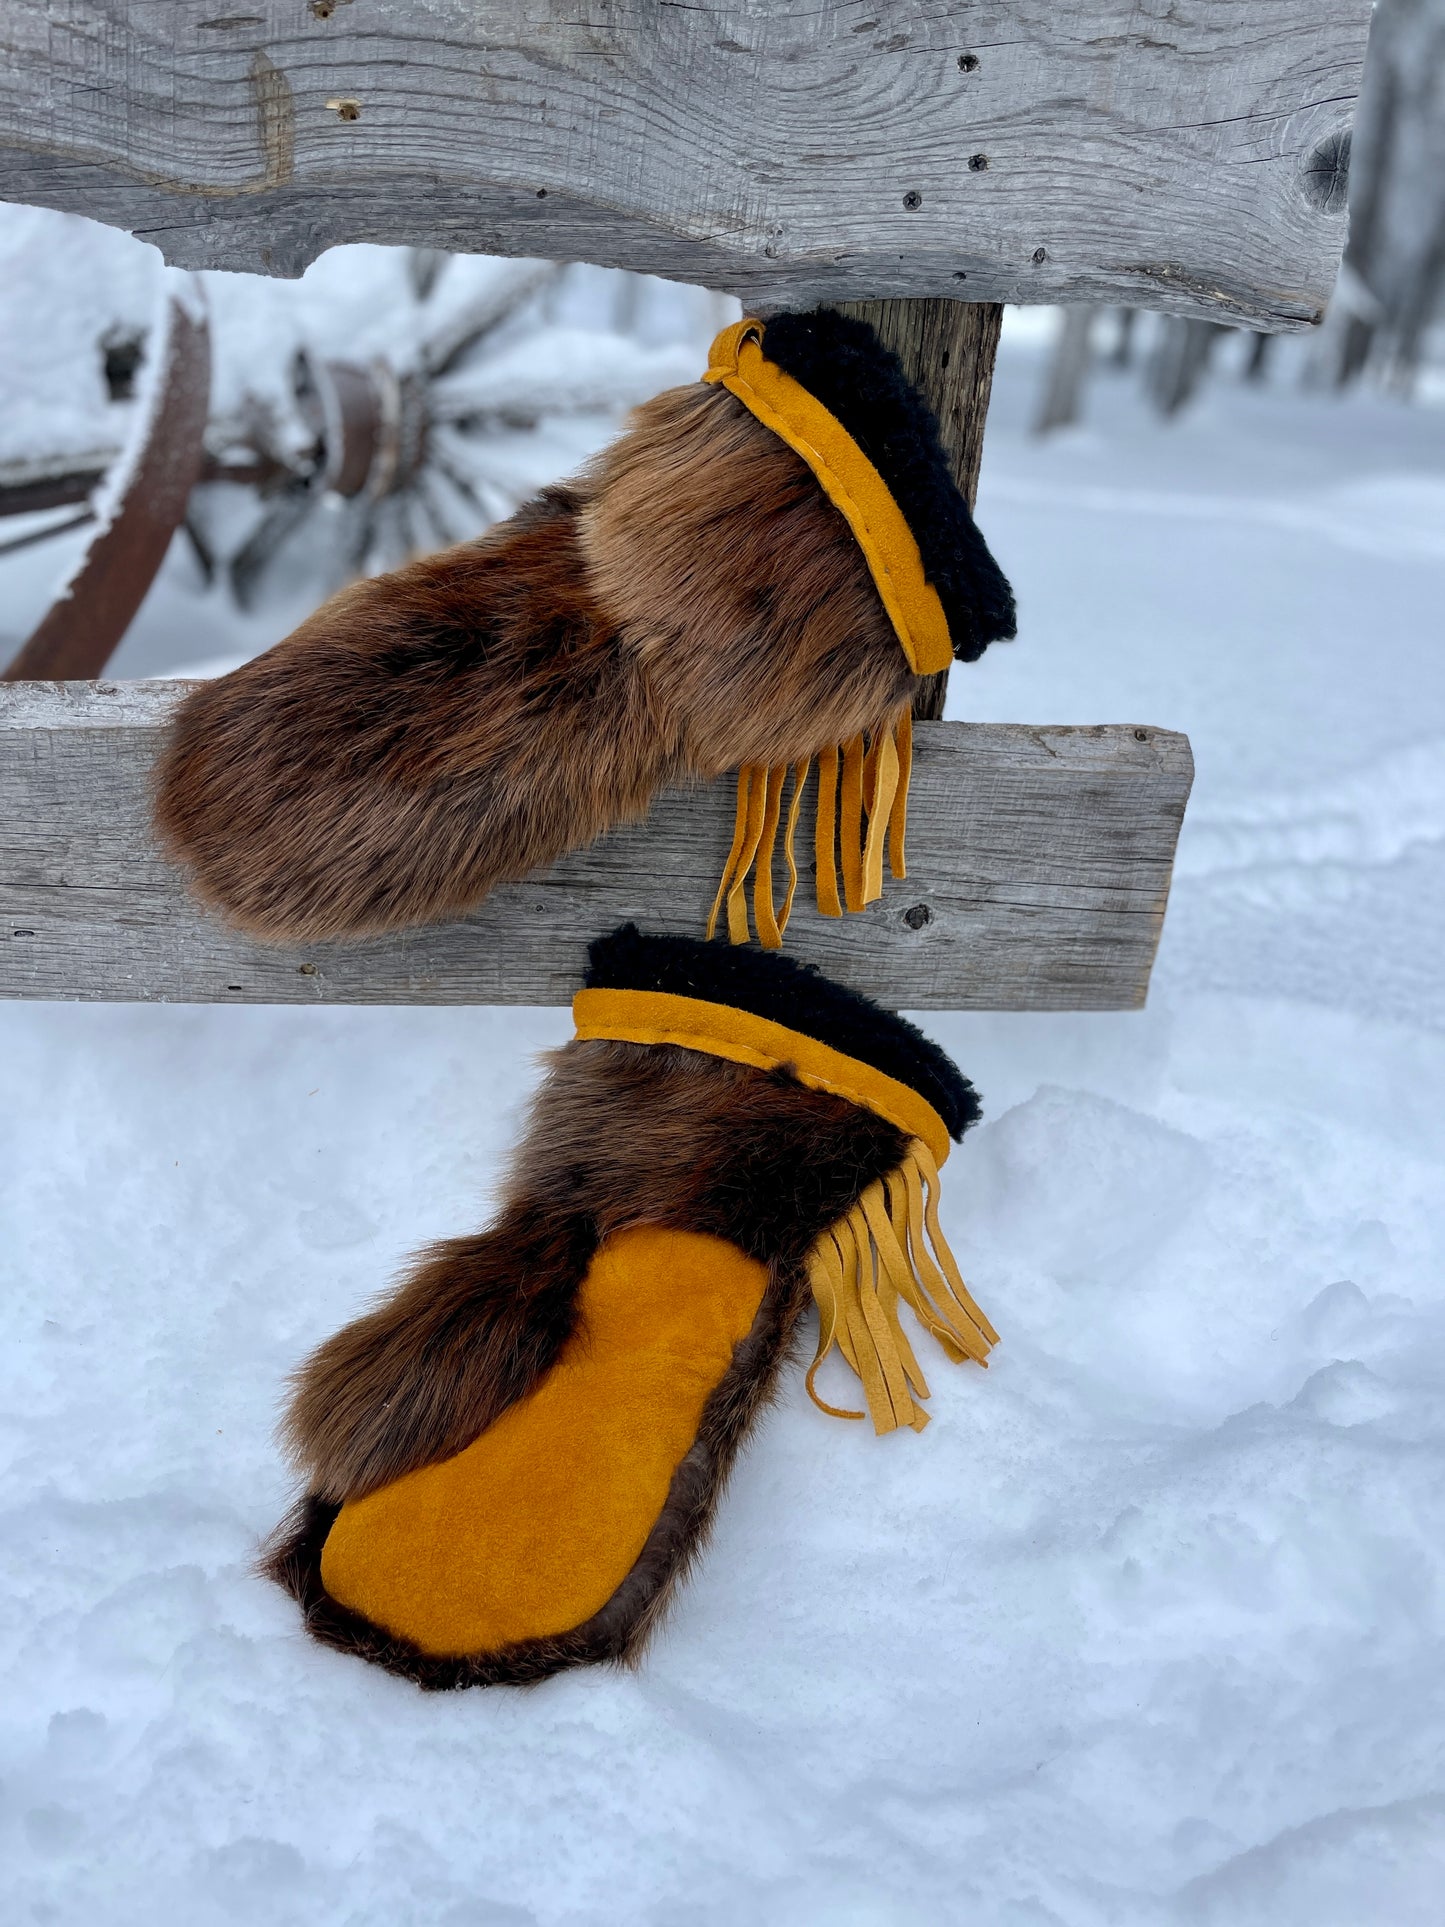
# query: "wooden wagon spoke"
{"type": "Point", "coordinates": [359, 536]}
{"type": "Point", "coordinates": [431, 497]}
{"type": "Point", "coordinates": [449, 457]}
{"type": "Point", "coordinates": [28, 488]}
{"type": "Point", "coordinates": [201, 547]}
{"type": "Point", "coordinates": [442, 464]}
{"type": "Point", "coordinates": [252, 562]}
{"type": "Point", "coordinates": [451, 336]}
{"type": "Point", "coordinates": [561, 370]}
{"type": "Point", "coordinates": [387, 545]}
{"type": "Point", "coordinates": [32, 536]}
{"type": "Point", "coordinates": [149, 490]}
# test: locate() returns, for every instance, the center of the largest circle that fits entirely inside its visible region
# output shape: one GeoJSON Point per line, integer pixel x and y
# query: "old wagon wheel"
{"type": "Point", "coordinates": [141, 505]}
{"type": "Point", "coordinates": [355, 463]}
{"type": "Point", "coordinates": [380, 449]}
{"type": "Point", "coordinates": [401, 449]}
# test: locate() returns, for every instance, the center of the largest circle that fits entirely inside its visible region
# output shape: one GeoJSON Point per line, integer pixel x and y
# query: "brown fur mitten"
{"type": "Point", "coordinates": [512, 1462]}
{"type": "Point", "coordinates": [754, 576]}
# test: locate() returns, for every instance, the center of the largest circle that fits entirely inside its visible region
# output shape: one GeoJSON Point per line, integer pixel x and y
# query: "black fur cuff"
{"type": "Point", "coordinates": [843, 364]}
{"type": "Point", "coordinates": [798, 995]}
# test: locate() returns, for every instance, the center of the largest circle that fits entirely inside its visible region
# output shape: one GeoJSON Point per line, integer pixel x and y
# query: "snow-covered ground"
{"type": "Point", "coordinates": [1145, 1631]}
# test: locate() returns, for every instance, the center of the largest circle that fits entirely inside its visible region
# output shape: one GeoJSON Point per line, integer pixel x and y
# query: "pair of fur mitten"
{"type": "Point", "coordinates": [754, 577]}
{"type": "Point", "coordinates": [511, 1462]}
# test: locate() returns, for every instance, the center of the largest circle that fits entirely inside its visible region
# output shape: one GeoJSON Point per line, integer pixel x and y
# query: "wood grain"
{"type": "Point", "coordinates": [1039, 868]}
{"type": "Point", "coordinates": [947, 348]}
{"type": "Point", "coordinates": [1158, 152]}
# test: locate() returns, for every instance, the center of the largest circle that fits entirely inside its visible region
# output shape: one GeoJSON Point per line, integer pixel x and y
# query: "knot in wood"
{"type": "Point", "coordinates": [1326, 177]}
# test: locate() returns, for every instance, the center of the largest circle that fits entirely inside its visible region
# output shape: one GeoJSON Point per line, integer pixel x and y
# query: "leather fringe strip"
{"type": "Point", "coordinates": [872, 1261]}
{"type": "Point", "coordinates": [855, 816]}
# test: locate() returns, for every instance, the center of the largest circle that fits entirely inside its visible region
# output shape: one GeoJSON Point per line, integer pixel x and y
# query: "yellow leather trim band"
{"type": "Point", "coordinates": [851, 483]}
{"type": "Point", "coordinates": [657, 1017]}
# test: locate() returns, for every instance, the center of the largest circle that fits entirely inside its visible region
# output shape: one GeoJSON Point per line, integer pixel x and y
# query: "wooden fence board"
{"type": "Point", "coordinates": [1039, 864]}
{"type": "Point", "coordinates": [1187, 155]}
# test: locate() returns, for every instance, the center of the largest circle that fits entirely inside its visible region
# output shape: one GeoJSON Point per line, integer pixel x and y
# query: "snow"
{"type": "Point", "coordinates": [1144, 1631]}
{"type": "Point", "coordinates": [85, 280]}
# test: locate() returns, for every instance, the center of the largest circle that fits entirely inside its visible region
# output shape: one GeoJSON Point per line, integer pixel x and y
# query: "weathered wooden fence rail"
{"type": "Point", "coordinates": [1039, 863]}
{"type": "Point", "coordinates": [1179, 154]}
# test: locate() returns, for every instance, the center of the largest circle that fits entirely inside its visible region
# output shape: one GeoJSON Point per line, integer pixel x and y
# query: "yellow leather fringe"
{"type": "Point", "coordinates": [738, 362]}
{"type": "Point", "coordinates": [722, 1030]}
{"type": "Point", "coordinates": [889, 1250]}
{"type": "Point", "coordinates": [875, 773]}
{"type": "Point", "coordinates": [869, 1263]}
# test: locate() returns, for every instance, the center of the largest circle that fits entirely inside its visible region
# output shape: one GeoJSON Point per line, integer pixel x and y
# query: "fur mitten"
{"type": "Point", "coordinates": [754, 577]}
{"type": "Point", "coordinates": [512, 1461]}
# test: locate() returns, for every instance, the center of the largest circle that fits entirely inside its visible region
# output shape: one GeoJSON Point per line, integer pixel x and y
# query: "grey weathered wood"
{"type": "Point", "coordinates": [948, 349]}
{"type": "Point", "coordinates": [1039, 866]}
{"type": "Point", "coordinates": [1165, 153]}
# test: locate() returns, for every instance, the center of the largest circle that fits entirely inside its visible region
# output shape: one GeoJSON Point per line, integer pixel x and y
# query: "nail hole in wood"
{"type": "Point", "coordinates": [541, 193]}
{"type": "Point", "coordinates": [968, 63]}
{"type": "Point", "coordinates": [912, 200]}
{"type": "Point", "coordinates": [1141, 735]}
{"type": "Point", "coordinates": [978, 163]}
{"type": "Point", "coordinates": [918, 916]}
{"type": "Point", "coordinates": [345, 109]}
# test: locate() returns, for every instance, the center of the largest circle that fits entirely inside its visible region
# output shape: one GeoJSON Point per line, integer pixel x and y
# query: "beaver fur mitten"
{"type": "Point", "coordinates": [754, 577]}
{"type": "Point", "coordinates": [512, 1461]}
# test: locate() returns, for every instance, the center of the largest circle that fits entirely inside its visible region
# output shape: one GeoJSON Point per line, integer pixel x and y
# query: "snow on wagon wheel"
{"type": "Point", "coordinates": [435, 434]}
{"type": "Point", "coordinates": [392, 402]}
{"type": "Point", "coordinates": [139, 505]}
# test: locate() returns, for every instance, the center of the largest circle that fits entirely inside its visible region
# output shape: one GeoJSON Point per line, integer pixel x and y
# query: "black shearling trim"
{"type": "Point", "coordinates": [797, 995]}
{"type": "Point", "coordinates": [843, 364]}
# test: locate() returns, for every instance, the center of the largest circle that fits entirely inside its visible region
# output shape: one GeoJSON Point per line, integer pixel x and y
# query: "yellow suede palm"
{"type": "Point", "coordinates": [533, 1527]}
